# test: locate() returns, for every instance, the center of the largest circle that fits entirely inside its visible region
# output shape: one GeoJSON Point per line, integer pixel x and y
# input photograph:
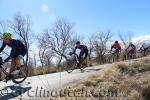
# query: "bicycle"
{"type": "Point", "coordinates": [145, 50]}
{"type": "Point", "coordinates": [18, 77]}
{"type": "Point", "coordinates": [74, 63]}
{"type": "Point", "coordinates": [113, 55]}
{"type": "Point", "coordinates": [131, 54]}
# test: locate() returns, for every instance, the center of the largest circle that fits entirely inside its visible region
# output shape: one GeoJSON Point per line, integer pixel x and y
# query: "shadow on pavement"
{"type": "Point", "coordinates": [91, 69]}
{"type": "Point", "coordinates": [13, 91]}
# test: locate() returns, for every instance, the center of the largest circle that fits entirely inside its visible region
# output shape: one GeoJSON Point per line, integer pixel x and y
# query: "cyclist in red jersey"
{"type": "Point", "coordinates": [116, 46]}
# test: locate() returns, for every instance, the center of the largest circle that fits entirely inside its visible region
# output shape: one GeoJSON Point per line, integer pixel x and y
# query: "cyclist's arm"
{"type": "Point", "coordinates": [2, 47]}
{"type": "Point", "coordinates": [10, 56]}
{"type": "Point", "coordinates": [74, 50]}
{"type": "Point", "coordinates": [133, 46]}
{"type": "Point", "coordinates": [112, 47]}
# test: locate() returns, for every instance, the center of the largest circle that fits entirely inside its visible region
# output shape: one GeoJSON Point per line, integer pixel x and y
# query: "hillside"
{"type": "Point", "coordinates": [123, 81]}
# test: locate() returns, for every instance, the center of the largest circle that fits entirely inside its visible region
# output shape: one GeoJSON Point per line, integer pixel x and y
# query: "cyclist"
{"type": "Point", "coordinates": [145, 47]}
{"type": "Point", "coordinates": [18, 51]}
{"type": "Point", "coordinates": [84, 50]}
{"type": "Point", "coordinates": [116, 46]}
{"type": "Point", "coordinates": [131, 48]}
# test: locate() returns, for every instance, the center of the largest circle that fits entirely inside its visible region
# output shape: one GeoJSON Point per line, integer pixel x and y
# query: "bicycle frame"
{"type": "Point", "coordinates": [76, 57]}
{"type": "Point", "coordinates": [15, 77]}
{"type": "Point", "coordinates": [76, 63]}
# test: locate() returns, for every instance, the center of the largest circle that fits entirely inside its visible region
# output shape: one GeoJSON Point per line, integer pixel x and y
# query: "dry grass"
{"type": "Point", "coordinates": [130, 81]}
{"type": "Point", "coordinates": [42, 70]}
{"type": "Point", "coordinates": [33, 71]}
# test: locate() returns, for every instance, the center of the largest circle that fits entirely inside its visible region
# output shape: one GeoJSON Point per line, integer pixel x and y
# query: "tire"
{"type": "Point", "coordinates": [113, 58]}
{"type": "Point", "coordinates": [71, 65]}
{"type": "Point", "coordinates": [82, 67]}
{"type": "Point", "coordinates": [109, 59]}
{"type": "Point", "coordinates": [21, 76]}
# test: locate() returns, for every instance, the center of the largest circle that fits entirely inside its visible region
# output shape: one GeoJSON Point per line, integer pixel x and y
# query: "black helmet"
{"type": "Point", "coordinates": [70, 53]}
{"type": "Point", "coordinates": [130, 43]}
{"type": "Point", "coordinates": [78, 42]}
{"type": "Point", "coordinates": [116, 41]}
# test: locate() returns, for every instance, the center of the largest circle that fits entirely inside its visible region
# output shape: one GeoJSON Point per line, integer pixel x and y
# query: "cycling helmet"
{"type": "Point", "coordinates": [130, 43]}
{"type": "Point", "coordinates": [6, 35]}
{"type": "Point", "coordinates": [78, 42]}
{"type": "Point", "coordinates": [116, 41]}
{"type": "Point", "coordinates": [70, 53]}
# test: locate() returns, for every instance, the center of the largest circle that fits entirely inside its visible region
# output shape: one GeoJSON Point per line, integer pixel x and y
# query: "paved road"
{"type": "Point", "coordinates": [33, 87]}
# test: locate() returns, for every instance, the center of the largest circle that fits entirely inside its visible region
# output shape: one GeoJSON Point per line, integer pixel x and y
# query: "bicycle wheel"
{"type": "Point", "coordinates": [21, 76]}
{"type": "Point", "coordinates": [112, 58]}
{"type": "Point", "coordinates": [71, 65]}
{"type": "Point", "coordinates": [109, 58]}
{"type": "Point", "coordinates": [82, 66]}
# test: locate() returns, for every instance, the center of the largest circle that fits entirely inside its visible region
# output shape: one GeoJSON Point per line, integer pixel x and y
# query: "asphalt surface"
{"type": "Point", "coordinates": [43, 86]}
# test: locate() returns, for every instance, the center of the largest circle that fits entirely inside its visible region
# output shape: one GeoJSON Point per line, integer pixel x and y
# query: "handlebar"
{"type": "Point", "coordinates": [70, 53]}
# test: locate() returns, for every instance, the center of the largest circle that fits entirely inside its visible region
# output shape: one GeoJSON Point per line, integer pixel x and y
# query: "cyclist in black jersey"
{"type": "Point", "coordinates": [84, 50]}
{"type": "Point", "coordinates": [18, 50]}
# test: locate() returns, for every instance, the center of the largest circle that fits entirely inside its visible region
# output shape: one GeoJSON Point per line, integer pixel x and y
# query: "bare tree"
{"type": "Point", "coordinates": [48, 56]}
{"type": "Point", "coordinates": [91, 45]}
{"type": "Point", "coordinates": [42, 48]}
{"type": "Point", "coordinates": [35, 60]}
{"type": "Point", "coordinates": [100, 44]}
{"type": "Point", "coordinates": [21, 26]}
{"type": "Point", "coordinates": [59, 38]}
{"type": "Point", "coordinates": [45, 53]}
{"type": "Point", "coordinates": [3, 27]}
{"type": "Point", "coordinates": [125, 38]}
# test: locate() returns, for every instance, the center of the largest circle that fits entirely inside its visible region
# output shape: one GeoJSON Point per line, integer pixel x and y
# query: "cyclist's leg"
{"type": "Point", "coordinates": [9, 70]}
{"type": "Point", "coordinates": [13, 63]}
{"type": "Point", "coordinates": [17, 59]}
{"type": "Point", "coordinates": [145, 49]}
{"type": "Point", "coordinates": [80, 56]}
{"type": "Point", "coordinates": [86, 54]}
{"type": "Point", "coordinates": [132, 51]}
{"type": "Point", "coordinates": [117, 53]}
{"type": "Point", "coordinates": [10, 67]}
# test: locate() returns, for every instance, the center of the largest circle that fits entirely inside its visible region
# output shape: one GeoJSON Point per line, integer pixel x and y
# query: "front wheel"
{"type": "Point", "coordinates": [71, 65]}
{"type": "Point", "coordinates": [21, 76]}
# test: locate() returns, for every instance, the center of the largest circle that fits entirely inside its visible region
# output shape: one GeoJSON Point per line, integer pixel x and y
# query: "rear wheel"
{"type": "Point", "coordinates": [83, 65]}
{"type": "Point", "coordinates": [113, 57]}
{"type": "Point", "coordinates": [21, 76]}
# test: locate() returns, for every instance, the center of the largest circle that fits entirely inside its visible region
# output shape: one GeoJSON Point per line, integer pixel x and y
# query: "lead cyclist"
{"type": "Point", "coordinates": [83, 50]}
{"type": "Point", "coordinates": [18, 51]}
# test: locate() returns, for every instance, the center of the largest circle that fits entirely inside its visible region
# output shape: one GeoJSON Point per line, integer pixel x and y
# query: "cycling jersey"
{"type": "Point", "coordinates": [18, 48]}
{"type": "Point", "coordinates": [132, 46]}
{"type": "Point", "coordinates": [83, 51]}
{"type": "Point", "coordinates": [116, 46]}
{"type": "Point", "coordinates": [81, 47]}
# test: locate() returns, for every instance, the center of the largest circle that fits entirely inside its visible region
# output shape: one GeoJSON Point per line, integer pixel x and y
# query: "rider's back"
{"type": "Point", "coordinates": [82, 47]}
{"type": "Point", "coordinates": [117, 46]}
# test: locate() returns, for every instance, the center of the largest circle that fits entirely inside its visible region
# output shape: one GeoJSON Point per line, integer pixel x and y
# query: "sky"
{"type": "Point", "coordinates": [89, 16]}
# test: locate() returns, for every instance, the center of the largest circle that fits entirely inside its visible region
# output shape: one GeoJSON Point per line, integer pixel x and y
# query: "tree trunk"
{"type": "Point", "coordinates": [59, 61]}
